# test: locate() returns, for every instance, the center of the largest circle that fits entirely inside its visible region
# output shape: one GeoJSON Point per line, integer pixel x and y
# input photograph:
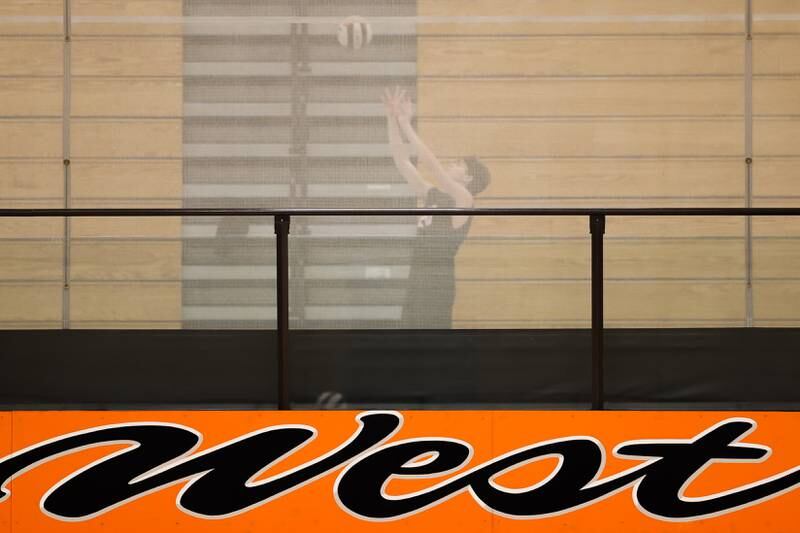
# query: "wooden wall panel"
{"type": "Point", "coordinates": [127, 144]}
{"type": "Point", "coordinates": [32, 302]}
{"type": "Point", "coordinates": [31, 260]}
{"type": "Point", "coordinates": [127, 227]}
{"type": "Point", "coordinates": [135, 261]}
{"type": "Point", "coordinates": [607, 138]}
{"type": "Point", "coordinates": [624, 259]}
{"type": "Point", "coordinates": [776, 96]}
{"type": "Point", "coordinates": [776, 258]}
{"type": "Point", "coordinates": [562, 56]}
{"type": "Point", "coordinates": [777, 303]}
{"type": "Point", "coordinates": [28, 180]}
{"type": "Point", "coordinates": [776, 136]}
{"type": "Point", "coordinates": [108, 97]}
{"type": "Point", "coordinates": [776, 55]}
{"type": "Point", "coordinates": [616, 227]}
{"type": "Point", "coordinates": [774, 179]}
{"type": "Point", "coordinates": [126, 138]}
{"type": "Point", "coordinates": [572, 8]}
{"type": "Point", "coordinates": [98, 182]}
{"type": "Point", "coordinates": [125, 302]}
{"type": "Point", "coordinates": [657, 302]}
{"type": "Point", "coordinates": [30, 138]}
{"type": "Point", "coordinates": [776, 16]}
{"type": "Point", "coordinates": [575, 180]}
{"type": "Point", "coordinates": [579, 97]}
{"type": "Point", "coordinates": [127, 57]}
{"type": "Point", "coordinates": [31, 228]}
{"type": "Point", "coordinates": [559, 17]}
{"type": "Point", "coordinates": [31, 57]}
{"type": "Point", "coordinates": [83, 10]}
{"type": "Point", "coordinates": [15, 25]}
{"type": "Point", "coordinates": [26, 97]}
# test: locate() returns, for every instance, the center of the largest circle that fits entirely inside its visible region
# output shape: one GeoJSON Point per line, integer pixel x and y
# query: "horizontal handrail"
{"type": "Point", "coordinates": [597, 223]}
{"type": "Point", "coordinates": [476, 211]}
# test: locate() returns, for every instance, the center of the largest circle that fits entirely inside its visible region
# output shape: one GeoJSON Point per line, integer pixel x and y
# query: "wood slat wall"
{"type": "Point", "coordinates": [125, 147]}
{"type": "Point", "coordinates": [581, 106]}
{"type": "Point", "coordinates": [776, 170]}
{"type": "Point", "coordinates": [587, 108]}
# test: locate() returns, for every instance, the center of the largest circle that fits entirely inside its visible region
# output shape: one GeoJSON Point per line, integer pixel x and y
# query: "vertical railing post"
{"type": "Point", "coordinates": [282, 287]}
{"type": "Point", "coordinates": [597, 227]}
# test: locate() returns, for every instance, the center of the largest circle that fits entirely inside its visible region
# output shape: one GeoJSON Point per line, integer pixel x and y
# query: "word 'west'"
{"type": "Point", "coordinates": [229, 479]}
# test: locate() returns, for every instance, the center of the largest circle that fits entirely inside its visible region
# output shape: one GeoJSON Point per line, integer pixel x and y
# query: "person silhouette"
{"type": "Point", "coordinates": [431, 284]}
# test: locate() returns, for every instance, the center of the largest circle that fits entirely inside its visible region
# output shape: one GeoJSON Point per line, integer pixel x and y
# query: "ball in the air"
{"type": "Point", "coordinates": [354, 33]}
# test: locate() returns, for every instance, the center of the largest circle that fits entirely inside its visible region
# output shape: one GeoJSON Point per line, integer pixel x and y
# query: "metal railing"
{"type": "Point", "coordinates": [282, 218]}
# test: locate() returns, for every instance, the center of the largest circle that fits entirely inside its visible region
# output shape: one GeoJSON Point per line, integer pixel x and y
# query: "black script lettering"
{"type": "Point", "coordinates": [220, 478]}
{"type": "Point", "coordinates": [660, 492]}
{"type": "Point", "coordinates": [670, 465]}
{"type": "Point", "coordinates": [360, 488]}
{"type": "Point", "coordinates": [219, 482]}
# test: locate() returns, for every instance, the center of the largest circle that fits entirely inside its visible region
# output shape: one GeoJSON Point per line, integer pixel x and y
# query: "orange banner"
{"type": "Point", "coordinates": [389, 471]}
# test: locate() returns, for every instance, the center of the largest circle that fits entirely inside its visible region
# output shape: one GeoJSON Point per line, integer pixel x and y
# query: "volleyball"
{"type": "Point", "coordinates": [354, 33]}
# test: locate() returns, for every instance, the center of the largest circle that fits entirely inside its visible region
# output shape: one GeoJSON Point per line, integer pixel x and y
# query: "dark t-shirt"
{"type": "Point", "coordinates": [431, 280]}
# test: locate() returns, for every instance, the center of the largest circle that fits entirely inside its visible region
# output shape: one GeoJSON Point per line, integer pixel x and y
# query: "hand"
{"type": "Point", "coordinates": [390, 103]}
{"type": "Point", "coordinates": [405, 108]}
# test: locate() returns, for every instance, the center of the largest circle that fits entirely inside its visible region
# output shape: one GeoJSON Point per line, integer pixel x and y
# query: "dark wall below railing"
{"type": "Point", "coordinates": [476, 369]}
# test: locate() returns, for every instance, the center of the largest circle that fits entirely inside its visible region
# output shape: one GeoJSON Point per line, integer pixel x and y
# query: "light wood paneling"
{"type": "Point", "coordinates": [20, 180]}
{"type": "Point", "coordinates": [572, 8]}
{"type": "Point", "coordinates": [625, 301]}
{"type": "Point", "coordinates": [29, 57]}
{"type": "Point", "coordinates": [776, 55]}
{"type": "Point", "coordinates": [30, 302]}
{"type": "Point", "coordinates": [562, 56]}
{"type": "Point", "coordinates": [681, 259]}
{"type": "Point", "coordinates": [98, 182]}
{"type": "Point", "coordinates": [128, 138]}
{"type": "Point", "coordinates": [776, 301]}
{"type": "Point", "coordinates": [612, 138]}
{"type": "Point", "coordinates": [579, 97]}
{"type": "Point", "coordinates": [776, 258]}
{"type": "Point", "coordinates": [98, 97]}
{"type": "Point", "coordinates": [131, 302]}
{"type": "Point", "coordinates": [776, 178]}
{"type": "Point", "coordinates": [126, 261]}
{"type": "Point", "coordinates": [588, 16]}
{"type": "Point", "coordinates": [126, 8]}
{"type": "Point", "coordinates": [31, 228]}
{"type": "Point", "coordinates": [83, 324]}
{"type": "Point", "coordinates": [623, 259]}
{"type": "Point", "coordinates": [31, 8]}
{"type": "Point", "coordinates": [127, 227]}
{"type": "Point", "coordinates": [31, 260]}
{"type": "Point", "coordinates": [773, 96]}
{"type": "Point", "coordinates": [30, 97]}
{"type": "Point", "coordinates": [127, 57]}
{"type": "Point", "coordinates": [776, 136]}
{"type": "Point", "coordinates": [776, 16]}
{"type": "Point", "coordinates": [574, 180]}
{"type": "Point", "coordinates": [777, 226]}
{"type": "Point", "coordinates": [616, 227]}
{"type": "Point", "coordinates": [511, 301]}
{"type": "Point", "coordinates": [30, 138]}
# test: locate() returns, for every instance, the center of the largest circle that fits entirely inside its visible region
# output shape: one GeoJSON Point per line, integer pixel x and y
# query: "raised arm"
{"type": "Point", "coordinates": [461, 196]}
{"type": "Point", "coordinates": [400, 154]}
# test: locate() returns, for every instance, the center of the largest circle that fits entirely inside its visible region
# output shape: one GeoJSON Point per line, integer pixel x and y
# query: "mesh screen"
{"type": "Point", "coordinates": [212, 103]}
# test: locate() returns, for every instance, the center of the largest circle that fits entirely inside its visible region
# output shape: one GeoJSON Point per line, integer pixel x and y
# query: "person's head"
{"type": "Point", "coordinates": [471, 173]}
